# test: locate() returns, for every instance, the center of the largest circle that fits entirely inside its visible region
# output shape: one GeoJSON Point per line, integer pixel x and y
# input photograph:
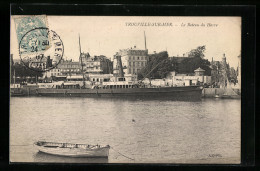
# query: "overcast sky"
{"type": "Point", "coordinates": [106, 35]}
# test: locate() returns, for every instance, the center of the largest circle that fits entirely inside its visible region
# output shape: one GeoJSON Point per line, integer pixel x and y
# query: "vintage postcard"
{"type": "Point", "coordinates": [125, 89]}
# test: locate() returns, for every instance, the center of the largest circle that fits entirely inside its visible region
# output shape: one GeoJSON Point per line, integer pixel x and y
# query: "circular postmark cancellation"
{"type": "Point", "coordinates": [41, 49]}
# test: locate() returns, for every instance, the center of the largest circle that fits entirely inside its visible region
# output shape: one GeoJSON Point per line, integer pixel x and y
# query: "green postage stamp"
{"type": "Point", "coordinates": [40, 49]}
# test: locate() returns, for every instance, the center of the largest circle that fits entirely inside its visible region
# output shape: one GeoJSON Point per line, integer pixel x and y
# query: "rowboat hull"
{"type": "Point", "coordinates": [70, 151]}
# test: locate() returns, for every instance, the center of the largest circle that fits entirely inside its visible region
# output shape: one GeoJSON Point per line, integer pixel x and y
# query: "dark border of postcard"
{"type": "Point", "coordinates": [248, 14]}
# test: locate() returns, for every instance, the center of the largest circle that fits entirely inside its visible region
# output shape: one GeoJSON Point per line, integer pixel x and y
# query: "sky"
{"type": "Point", "coordinates": [106, 35]}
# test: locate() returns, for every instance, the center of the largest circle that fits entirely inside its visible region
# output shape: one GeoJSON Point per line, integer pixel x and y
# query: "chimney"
{"type": "Point", "coordinates": [144, 41]}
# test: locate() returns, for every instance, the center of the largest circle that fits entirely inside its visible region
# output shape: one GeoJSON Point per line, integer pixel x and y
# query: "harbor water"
{"type": "Point", "coordinates": [148, 131]}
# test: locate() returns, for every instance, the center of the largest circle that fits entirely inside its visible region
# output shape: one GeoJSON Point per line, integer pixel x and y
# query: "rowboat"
{"type": "Point", "coordinates": [72, 150]}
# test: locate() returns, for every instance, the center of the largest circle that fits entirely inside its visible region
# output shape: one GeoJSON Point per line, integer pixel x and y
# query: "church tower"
{"type": "Point", "coordinates": [224, 60]}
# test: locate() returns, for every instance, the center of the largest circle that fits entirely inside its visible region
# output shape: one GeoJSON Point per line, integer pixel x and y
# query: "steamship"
{"type": "Point", "coordinates": [120, 87]}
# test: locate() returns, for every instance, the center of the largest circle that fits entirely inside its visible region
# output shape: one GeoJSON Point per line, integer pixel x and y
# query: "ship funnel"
{"type": "Point", "coordinates": [119, 65]}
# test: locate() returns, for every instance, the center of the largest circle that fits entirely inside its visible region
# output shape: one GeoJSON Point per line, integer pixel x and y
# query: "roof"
{"type": "Point", "coordinates": [199, 70]}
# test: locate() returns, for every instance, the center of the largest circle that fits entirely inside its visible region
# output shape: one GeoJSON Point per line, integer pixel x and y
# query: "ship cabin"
{"type": "Point", "coordinates": [116, 86]}
{"type": "Point", "coordinates": [68, 86]}
{"type": "Point", "coordinates": [120, 83]}
{"type": "Point", "coordinates": [59, 85]}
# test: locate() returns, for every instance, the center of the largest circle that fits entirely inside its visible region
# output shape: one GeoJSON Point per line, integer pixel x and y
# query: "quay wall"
{"type": "Point", "coordinates": [29, 90]}
{"type": "Point", "coordinates": [211, 92]}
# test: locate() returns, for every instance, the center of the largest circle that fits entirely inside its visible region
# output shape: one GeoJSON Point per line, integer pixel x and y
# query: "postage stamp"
{"type": "Point", "coordinates": [23, 24]}
{"type": "Point", "coordinates": [40, 49]}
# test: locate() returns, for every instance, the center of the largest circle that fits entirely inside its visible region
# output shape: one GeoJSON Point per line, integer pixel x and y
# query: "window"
{"type": "Point", "coordinates": [133, 63]}
{"type": "Point", "coordinates": [129, 63]}
{"type": "Point", "coordinates": [142, 58]}
{"type": "Point", "coordinates": [97, 79]}
{"type": "Point", "coordinates": [129, 57]}
{"type": "Point", "coordinates": [133, 58]}
{"type": "Point", "coordinates": [138, 58]}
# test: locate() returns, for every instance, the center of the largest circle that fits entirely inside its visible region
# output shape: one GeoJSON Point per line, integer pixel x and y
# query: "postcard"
{"type": "Point", "coordinates": [125, 89]}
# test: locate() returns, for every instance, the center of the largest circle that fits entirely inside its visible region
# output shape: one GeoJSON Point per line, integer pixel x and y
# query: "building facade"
{"type": "Point", "coordinates": [133, 60]}
{"type": "Point", "coordinates": [40, 62]}
{"type": "Point", "coordinates": [69, 67]}
{"type": "Point", "coordinates": [64, 68]}
{"type": "Point", "coordinates": [95, 64]}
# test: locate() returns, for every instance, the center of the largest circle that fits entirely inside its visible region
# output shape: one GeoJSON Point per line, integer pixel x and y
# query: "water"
{"type": "Point", "coordinates": [150, 131]}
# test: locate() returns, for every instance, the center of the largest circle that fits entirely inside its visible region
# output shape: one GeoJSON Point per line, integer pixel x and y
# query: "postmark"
{"type": "Point", "coordinates": [41, 49]}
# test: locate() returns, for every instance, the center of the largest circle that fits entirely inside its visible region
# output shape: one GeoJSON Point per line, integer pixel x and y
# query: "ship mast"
{"type": "Point", "coordinates": [80, 56]}
{"type": "Point", "coordinates": [14, 77]}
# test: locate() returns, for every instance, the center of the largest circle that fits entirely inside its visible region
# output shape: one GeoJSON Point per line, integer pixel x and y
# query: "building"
{"type": "Point", "coordinates": [174, 79]}
{"type": "Point", "coordinates": [133, 60]}
{"type": "Point", "coordinates": [219, 72]}
{"type": "Point", "coordinates": [40, 62]}
{"type": "Point", "coordinates": [95, 64]}
{"type": "Point", "coordinates": [69, 67]}
{"type": "Point", "coordinates": [188, 79]}
{"type": "Point", "coordinates": [64, 68]}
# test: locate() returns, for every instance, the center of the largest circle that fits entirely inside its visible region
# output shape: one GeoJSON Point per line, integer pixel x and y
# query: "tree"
{"type": "Point", "coordinates": [158, 66]}
{"type": "Point", "coordinates": [23, 71]}
{"type": "Point", "coordinates": [195, 61]}
{"type": "Point", "coordinates": [232, 75]}
{"type": "Point", "coordinates": [165, 67]}
{"type": "Point", "coordinates": [198, 52]}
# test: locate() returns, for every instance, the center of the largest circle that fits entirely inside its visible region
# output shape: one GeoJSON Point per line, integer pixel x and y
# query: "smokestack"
{"type": "Point", "coordinates": [144, 41]}
{"type": "Point", "coordinates": [120, 67]}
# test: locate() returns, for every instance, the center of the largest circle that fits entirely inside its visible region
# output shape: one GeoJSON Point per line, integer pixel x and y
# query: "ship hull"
{"type": "Point", "coordinates": [187, 92]}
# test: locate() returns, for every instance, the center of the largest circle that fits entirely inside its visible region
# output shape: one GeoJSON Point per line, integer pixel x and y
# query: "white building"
{"type": "Point", "coordinates": [174, 79]}
{"type": "Point", "coordinates": [133, 60]}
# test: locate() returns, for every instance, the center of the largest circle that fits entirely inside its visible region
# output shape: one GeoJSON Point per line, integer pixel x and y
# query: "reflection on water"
{"type": "Point", "coordinates": [161, 131]}
{"type": "Point", "coordinates": [46, 158]}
